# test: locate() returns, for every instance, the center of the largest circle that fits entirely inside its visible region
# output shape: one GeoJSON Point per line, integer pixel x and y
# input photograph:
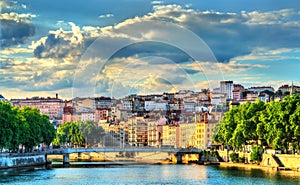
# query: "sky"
{"type": "Point", "coordinates": [116, 48]}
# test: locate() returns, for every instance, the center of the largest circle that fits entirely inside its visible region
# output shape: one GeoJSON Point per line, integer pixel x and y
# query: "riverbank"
{"type": "Point", "coordinates": [21, 160]}
{"type": "Point", "coordinates": [246, 166]}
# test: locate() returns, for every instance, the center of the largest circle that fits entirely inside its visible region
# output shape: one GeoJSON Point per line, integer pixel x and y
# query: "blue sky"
{"type": "Point", "coordinates": [113, 48]}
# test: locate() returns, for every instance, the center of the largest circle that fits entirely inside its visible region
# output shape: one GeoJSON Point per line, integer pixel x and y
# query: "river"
{"type": "Point", "coordinates": [148, 174]}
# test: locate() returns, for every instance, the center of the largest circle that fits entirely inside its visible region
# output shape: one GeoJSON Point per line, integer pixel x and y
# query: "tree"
{"type": "Point", "coordinates": [256, 155]}
{"type": "Point", "coordinates": [48, 131]}
{"type": "Point", "coordinates": [239, 125]}
{"type": "Point", "coordinates": [7, 124]}
{"type": "Point", "coordinates": [69, 134]}
{"type": "Point", "coordinates": [33, 118]}
{"type": "Point", "coordinates": [91, 132]}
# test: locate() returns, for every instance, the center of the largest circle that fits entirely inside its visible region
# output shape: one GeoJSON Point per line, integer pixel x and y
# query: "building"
{"type": "Point", "coordinates": [170, 136]}
{"type": "Point", "coordinates": [218, 98]}
{"type": "Point", "coordinates": [260, 89]}
{"type": "Point", "coordinates": [189, 106]}
{"type": "Point", "coordinates": [153, 134]}
{"type": "Point", "coordinates": [289, 89]}
{"type": "Point", "coordinates": [103, 102]}
{"type": "Point", "coordinates": [237, 94]}
{"type": "Point", "coordinates": [227, 88]}
{"type": "Point", "coordinates": [137, 131]}
{"type": "Point", "coordinates": [53, 107]}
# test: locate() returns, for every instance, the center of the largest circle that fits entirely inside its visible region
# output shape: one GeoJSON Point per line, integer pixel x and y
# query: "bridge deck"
{"type": "Point", "coordinates": [128, 149]}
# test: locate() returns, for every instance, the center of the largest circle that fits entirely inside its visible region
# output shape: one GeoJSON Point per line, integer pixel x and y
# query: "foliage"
{"type": "Point", "coordinates": [69, 134]}
{"type": "Point", "coordinates": [239, 124]}
{"type": "Point", "coordinates": [24, 126]}
{"type": "Point", "coordinates": [92, 133]}
{"type": "Point", "coordinates": [234, 157]}
{"type": "Point", "coordinates": [276, 123]}
{"type": "Point", "coordinates": [78, 133]}
{"type": "Point", "coordinates": [256, 155]}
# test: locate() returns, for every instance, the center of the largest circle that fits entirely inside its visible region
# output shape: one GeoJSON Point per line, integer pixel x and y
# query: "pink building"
{"type": "Point", "coordinates": [53, 107]}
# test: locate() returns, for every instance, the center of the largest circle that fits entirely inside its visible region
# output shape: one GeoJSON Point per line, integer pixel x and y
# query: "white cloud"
{"type": "Point", "coordinates": [232, 37]}
{"type": "Point", "coordinates": [157, 2]}
{"type": "Point", "coordinates": [106, 16]}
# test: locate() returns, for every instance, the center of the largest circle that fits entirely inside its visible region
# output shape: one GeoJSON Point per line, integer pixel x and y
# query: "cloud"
{"type": "Point", "coordinates": [234, 34]}
{"type": "Point", "coordinates": [235, 39]}
{"type": "Point", "coordinates": [230, 67]}
{"type": "Point", "coordinates": [157, 2]}
{"type": "Point", "coordinates": [15, 28]}
{"type": "Point", "coordinates": [65, 43]}
{"type": "Point", "coordinates": [6, 4]}
{"type": "Point", "coordinates": [106, 16]}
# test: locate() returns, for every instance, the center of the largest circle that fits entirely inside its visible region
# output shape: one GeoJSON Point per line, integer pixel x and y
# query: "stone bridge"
{"type": "Point", "coordinates": [178, 152]}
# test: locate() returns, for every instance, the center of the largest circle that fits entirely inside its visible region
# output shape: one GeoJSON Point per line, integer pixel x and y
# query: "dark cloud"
{"type": "Point", "coordinates": [235, 34]}
{"type": "Point", "coordinates": [191, 71]}
{"type": "Point", "coordinates": [153, 49]}
{"type": "Point", "coordinates": [14, 32]}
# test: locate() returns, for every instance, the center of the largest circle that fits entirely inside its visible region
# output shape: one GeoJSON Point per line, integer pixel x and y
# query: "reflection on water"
{"type": "Point", "coordinates": [99, 173]}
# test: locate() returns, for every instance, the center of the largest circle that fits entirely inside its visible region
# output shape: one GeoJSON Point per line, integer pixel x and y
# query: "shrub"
{"type": "Point", "coordinates": [256, 155]}
{"type": "Point", "coordinates": [241, 159]}
{"type": "Point", "coordinates": [234, 157]}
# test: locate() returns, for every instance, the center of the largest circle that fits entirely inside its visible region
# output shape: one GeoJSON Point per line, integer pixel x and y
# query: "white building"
{"type": "Point", "coordinates": [127, 104]}
{"type": "Point", "coordinates": [189, 106]}
{"type": "Point", "coordinates": [227, 88]}
{"type": "Point", "coordinates": [218, 98]}
{"type": "Point", "coordinates": [85, 116]}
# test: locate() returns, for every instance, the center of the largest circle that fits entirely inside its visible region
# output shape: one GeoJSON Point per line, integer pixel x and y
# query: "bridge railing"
{"type": "Point", "coordinates": [125, 149]}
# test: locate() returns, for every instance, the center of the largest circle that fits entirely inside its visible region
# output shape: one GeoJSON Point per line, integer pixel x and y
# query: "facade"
{"type": "Point", "coordinates": [153, 134]}
{"type": "Point", "coordinates": [259, 89]}
{"type": "Point", "coordinates": [169, 136]}
{"type": "Point", "coordinates": [237, 94]}
{"type": "Point", "coordinates": [189, 106]}
{"type": "Point", "coordinates": [103, 102]}
{"type": "Point", "coordinates": [218, 98]}
{"type": "Point", "coordinates": [137, 131]}
{"type": "Point", "coordinates": [227, 88]}
{"type": "Point", "coordinates": [88, 116]}
{"type": "Point", "coordinates": [79, 103]}
{"type": "Point", "coordinates": [53, 107]}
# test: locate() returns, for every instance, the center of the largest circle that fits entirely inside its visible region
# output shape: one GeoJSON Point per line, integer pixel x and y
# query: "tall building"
{"type": "Point", "coordinates": [227, 88]}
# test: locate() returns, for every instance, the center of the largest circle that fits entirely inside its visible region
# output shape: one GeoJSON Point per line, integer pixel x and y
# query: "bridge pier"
{"type": "Point", "coordinates": [66, 160]}
{"type": "Point", "coordinates": [179, 158]}
{"type": "Point", "coordinates": [199, 159]}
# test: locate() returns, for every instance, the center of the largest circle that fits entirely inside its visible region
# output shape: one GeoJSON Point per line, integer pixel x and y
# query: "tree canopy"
{"type": "Point", "coordinates": [276, 123]}
{"type": "Point", "coordinates": [78, 133]}
{"type": "Point", "coordinates": [24, 126]}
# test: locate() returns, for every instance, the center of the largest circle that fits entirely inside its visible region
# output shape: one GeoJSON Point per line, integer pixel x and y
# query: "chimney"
{"type": "Point", "coordinates": [205, 118]}
{"type": "Point", "coordinates": [56, 96]}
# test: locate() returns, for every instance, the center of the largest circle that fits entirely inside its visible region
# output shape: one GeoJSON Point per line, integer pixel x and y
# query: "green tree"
{"type": "Point", "coordinates": [91, 132]}
{"type": "Point", "coordinates": [256, 154]}
{"type": "Point", "coordinates": [7, 124]}
{"type": "Point", "coordinates": [69, 134]}
{"type": "Point", "coordinates": [48, 131]}
{"type": "Point", "coordinates": [33, 118]}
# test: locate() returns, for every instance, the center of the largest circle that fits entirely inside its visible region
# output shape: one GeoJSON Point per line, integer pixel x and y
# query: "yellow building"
{"type": "Point", "coordinates": [186, 135]}
{"type": "Point", "coordinates": [169, 136]}
{"type": "Point", "coordinates": [137, 131]}
{"type": "Point", "coordinates": [153, 134]}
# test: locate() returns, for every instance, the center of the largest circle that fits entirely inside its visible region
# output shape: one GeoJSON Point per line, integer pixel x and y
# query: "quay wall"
{"type": "Point", "coordinates": [21, 160]}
